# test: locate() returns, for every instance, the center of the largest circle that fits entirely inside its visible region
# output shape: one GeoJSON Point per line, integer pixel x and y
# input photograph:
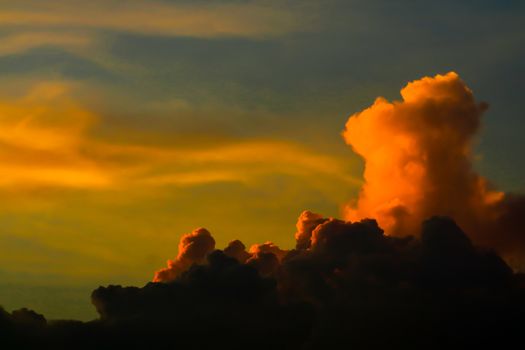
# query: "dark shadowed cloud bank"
{"type": "Point", "coordinates": [346, 284]}
{"type": "Point", "coordinates": [438, 268]}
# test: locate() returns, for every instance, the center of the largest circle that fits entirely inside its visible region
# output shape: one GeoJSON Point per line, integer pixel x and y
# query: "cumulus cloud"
{"type": "Point", "coordinates": [193, 249]}
{"type": "Point", "coordinates": [352, 286]}
{"type": "Point", "coordinates": [237, 250]}
{"type": "Point", "coordinates": [418, 163]}
{"type": "Point", "coordinates": [306, 223]}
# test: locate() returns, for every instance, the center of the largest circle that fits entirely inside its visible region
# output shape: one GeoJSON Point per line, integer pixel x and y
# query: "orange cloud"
{"type": "Point", "coordinates": [42, 135]}
{"type": "Point", "coordinates": [46, 141]}
{"type": "Point", "coordinates": [193, 249]}
{"type": "Point", "coordinates": [306, 223]}
{"type": "Point", "coordinates": [418, 161]}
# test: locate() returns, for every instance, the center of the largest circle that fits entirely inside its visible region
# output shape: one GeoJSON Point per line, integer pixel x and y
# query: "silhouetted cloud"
{"type": "Point", "coordinates": [237, 250]}
{"type": "Point", "coordinates": [353, 286]}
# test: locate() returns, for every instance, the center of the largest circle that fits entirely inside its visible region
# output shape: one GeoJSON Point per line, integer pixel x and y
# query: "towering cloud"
{"type": "Point", "coordinates": [418, 154]}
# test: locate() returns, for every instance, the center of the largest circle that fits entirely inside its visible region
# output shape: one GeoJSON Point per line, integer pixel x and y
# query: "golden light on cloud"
{"type": "Point", "coordinates": [193, 249]}
{"type": "Point", "coordinates": [417, 155]}
{"type": "Point", "coordinates": [418, 163]}
{"type": "Point", "coordinates": [42, 136]}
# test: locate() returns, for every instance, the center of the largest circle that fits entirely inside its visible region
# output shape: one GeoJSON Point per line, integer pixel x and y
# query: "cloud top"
{"type": "Point", "coordinates": [418, 162]}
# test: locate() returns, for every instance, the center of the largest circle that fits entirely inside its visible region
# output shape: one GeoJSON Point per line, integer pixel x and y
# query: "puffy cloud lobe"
{"type": "Point", "coordinates": [336, 235]}
{"type": "Point", "coordinates": [197, 245]}
{"type": "Point", "coordinates": [267, 264]}
{"type": "Point", "coordinates": [266, 258]}
{"type": "Point", "coordinates": [237, 250]}
{"type": "Point", "coordinates": [306, 223]}
{"type": "Point", "coordinates": [418, 154]}
{"type": "Point", "coordinates": [193, 249]}
{"type": "Point", "coordinates": [268, 247]}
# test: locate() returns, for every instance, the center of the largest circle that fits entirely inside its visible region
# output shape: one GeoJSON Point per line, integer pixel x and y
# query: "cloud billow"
{"type": "Point", "coordinates": [418, 163]}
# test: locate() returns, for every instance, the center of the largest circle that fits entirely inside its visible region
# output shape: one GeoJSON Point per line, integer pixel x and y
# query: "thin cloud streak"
{"type": "Point", "coordinates": [25, 41]}
{"type": "Point", "coordinates": [154, 18]}
{"type": "Point", "coordinates": [47, 142]}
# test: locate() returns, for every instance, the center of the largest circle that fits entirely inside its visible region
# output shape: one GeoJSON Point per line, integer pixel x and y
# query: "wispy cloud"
{"type": "Point", "coordinates": [24, 41]}
{"type": "Point", "coordinates": [41, 135]}
{"type": "Point", "coordinates": [46, 141]}
{"type": "Point", "coordinates": [153, 17]}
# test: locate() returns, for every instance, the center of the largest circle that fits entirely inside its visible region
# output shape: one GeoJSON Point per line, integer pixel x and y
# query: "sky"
{"type": "Point", "coordinates": [126, 124]}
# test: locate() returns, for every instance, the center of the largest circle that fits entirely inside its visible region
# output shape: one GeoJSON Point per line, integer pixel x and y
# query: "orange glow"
{"type": "Point", "coordinates": [42, 135]}
{"type": "Point", "coordinates": [193, 248]}
{"type": "Point", "coordinates": [46, 141]}
{"type": "Point", "coordinates": [417, 155]}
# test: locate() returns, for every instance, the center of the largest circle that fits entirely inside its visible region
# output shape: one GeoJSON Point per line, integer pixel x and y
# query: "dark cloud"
{"type": "Point", "coordinates": [349, 285]}
{"type": "Point", "coordinates": [237, 250]}
{"type": "Point", "coordinates": [306, 223]}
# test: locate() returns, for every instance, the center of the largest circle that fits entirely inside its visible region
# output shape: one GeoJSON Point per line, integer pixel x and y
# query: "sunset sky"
{"type": "Point", "coordinates": [126, 124]}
